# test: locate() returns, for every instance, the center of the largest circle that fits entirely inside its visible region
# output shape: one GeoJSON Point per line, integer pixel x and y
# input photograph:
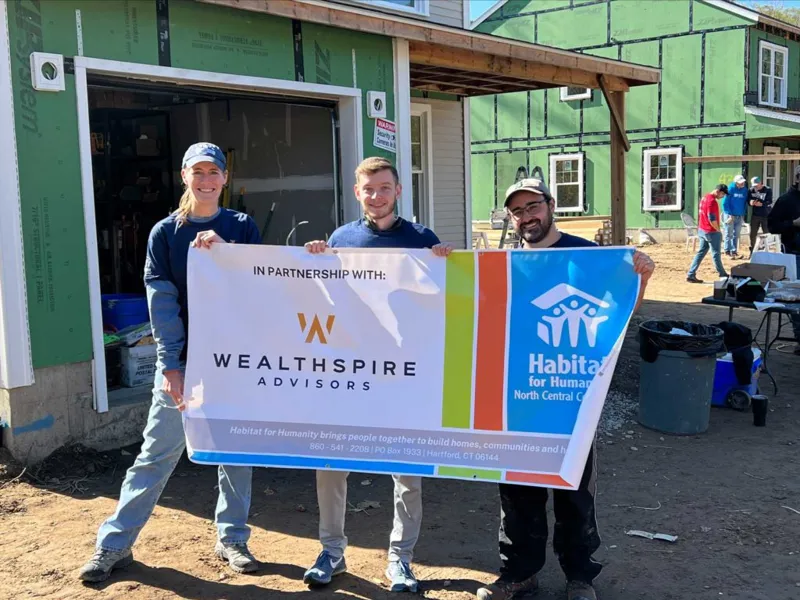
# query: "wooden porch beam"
{"type": "Point", "coordinates": [480, 62]}
{"type": "Point", "coordinates": [437, 85]}
{"type": "Point", "coordinates": [617, 120]}
{"type": "Point", "coordinates": [616, 104]}
{"type": "Point", "coordinates": [740, 158]}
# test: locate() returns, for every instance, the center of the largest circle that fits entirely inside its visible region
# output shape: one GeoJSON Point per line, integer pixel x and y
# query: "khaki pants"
{"type": "Point", "coordinates": [332, 499]}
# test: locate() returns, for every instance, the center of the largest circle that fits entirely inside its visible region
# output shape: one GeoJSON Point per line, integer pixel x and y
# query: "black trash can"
{"type": "Point", "coordinates": [677, 375]}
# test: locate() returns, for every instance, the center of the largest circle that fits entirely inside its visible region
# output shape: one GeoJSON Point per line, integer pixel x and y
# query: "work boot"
{"type": "Point", "coordinates": [693, 279]}
{"type": "Point", "coordinates": [237, 556]}
{"type": "Point", "coordinates": [578, 590]}
{"type": "Point", "coordinates": [103, 562]}
{"type": "Point", "coordinates": [505, 588]}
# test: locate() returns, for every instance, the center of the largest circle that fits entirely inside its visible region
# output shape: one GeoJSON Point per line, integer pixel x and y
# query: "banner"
{"type": "Point", "coordinates": [487, 365]}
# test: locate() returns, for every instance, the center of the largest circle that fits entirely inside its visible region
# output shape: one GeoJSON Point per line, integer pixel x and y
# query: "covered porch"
{"type": "Point", "coordinates": [771, 149]}
{"type": "Point", "coordinates": [434, 59]}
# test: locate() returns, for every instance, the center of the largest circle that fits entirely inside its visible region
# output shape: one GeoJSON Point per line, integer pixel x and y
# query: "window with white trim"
{"type": "Point", "coordinates": [575, 93]}
{"type": "Point", "coordinates": [421, 164]}
{"type": "Point", "coordinates": [566, 181]}
{"type": "Point", "coordinates": [417, 7]}
{"type": "Point", "coordinates": [663, 178]}
{"type": "Point", "coordinates": [772, 64]}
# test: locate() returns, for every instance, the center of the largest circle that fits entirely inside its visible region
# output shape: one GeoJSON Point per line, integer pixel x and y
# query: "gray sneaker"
{"type": "Point", "coordinates": [103, 562]}
{"type": "Point", "coordinates": [403, 580]}
{"type": "Point", "coordinates": [324, 569]}
{"type": "Point", "coordinates": [238, 557]}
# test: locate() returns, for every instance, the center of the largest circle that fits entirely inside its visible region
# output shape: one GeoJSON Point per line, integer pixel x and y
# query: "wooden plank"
{"type": "Point", "coordinates": [364, 20]}
{"type": "Point", "coordinates": [480, 62]}
{"type": "Point", "coordinates": [617, 101]}
{"type": "Point", "coordinates": [616, 118]}
{"type": "Point", "coordinates": [738, 158]}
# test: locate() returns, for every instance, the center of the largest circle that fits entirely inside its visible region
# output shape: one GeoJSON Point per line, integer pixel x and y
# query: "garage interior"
{"type": "Point", "coordinates": [283, 165]}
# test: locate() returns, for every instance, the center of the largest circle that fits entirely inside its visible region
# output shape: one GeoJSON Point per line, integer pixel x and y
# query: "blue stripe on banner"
{"type": "Point", "coordinates": [277, 460]}
{"type": "Point", "coordinates": [568, 309]}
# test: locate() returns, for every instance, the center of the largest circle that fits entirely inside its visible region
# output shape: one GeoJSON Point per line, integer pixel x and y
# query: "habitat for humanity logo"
{"type": "Point", "coordinates": [569, 307]}
{"type": "Point", "coordinates": [316, 328]}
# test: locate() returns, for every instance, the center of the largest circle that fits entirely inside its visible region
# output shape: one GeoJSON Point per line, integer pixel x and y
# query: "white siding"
{"type": "Point", "coordinates": [447, 12]}
{"type": "Point", "coordinates": [449, 199]}
{"type": "Point", "coordinates": [443, 12]}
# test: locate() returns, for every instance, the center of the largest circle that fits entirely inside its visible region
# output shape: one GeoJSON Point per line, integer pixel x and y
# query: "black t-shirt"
{"type": "Point", "coordinates": [572, 241]}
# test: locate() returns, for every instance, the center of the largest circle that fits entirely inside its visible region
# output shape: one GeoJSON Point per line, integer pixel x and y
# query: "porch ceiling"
{"type": "Point", "coordinates": [463, 62]}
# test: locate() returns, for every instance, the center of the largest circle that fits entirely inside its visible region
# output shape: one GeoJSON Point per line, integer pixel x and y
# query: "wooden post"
{"type": "Point", "coordinates": [616, 101]}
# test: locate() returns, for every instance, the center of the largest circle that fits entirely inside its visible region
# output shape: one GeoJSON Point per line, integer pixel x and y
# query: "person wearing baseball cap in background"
{"type": "Point", "coordinates": [708, 233]}
{"type": "Point", "coordinates": [198, 222]}
{"type": "Point", "coordinates": [760, 199]}
{"type": "Point", "coordinates": [784, 219]}
{"type": "Point", "coordinates": [523, 509]}
{"type": "Point", "coordinates": [734, 208]}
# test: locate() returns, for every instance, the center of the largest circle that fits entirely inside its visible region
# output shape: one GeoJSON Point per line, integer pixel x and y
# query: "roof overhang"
{"type": "Point", "coordinates": [752, 15]}
{"type": "Point", "coordinates": [462, 62]}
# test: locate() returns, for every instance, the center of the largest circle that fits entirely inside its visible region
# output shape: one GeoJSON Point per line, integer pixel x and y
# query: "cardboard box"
{"type": "Point", "coordinates": [759, 272]}
{"type": "Point", "coordinates": [138, 365]}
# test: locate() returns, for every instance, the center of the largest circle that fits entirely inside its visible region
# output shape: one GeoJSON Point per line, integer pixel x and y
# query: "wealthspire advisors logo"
{"type": "Point", "coordinates": [316, 328]}
{"type": "Point", "coordinates": [566, 305]}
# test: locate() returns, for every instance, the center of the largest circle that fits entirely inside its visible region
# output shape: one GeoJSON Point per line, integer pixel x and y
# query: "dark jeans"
{"type": "Point", "coordinates": [755, 223]}
{"type": "Point", "coordinates": [523, 528]}
{"type": "Point", "coordinates": [795, 317]}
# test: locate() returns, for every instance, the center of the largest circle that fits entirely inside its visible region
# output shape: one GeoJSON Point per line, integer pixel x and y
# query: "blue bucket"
{"type": "Point", "coordinates": [123, 310]}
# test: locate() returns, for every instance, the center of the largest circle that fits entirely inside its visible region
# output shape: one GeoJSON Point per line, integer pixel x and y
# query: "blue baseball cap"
{"type": "Point", "coordinates": [204, 152]}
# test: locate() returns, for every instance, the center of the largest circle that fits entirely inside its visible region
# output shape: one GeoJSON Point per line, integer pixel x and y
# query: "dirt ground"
{"type": "Point", "coordinates": [731, 495]}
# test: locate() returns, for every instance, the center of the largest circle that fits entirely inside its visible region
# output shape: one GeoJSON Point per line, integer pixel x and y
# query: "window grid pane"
{"type": "Point", "coordinates": [777, 97]}
{"type": "Point", "coordinates": [663, 180]}
{"type": "Point", "coordinates": [568, 196]}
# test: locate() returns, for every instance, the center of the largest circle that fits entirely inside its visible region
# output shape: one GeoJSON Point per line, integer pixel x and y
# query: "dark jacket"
{"type": "Point", "coordinates": [765, 197]}
{"type": "Point", "coordinates": [781, 218]}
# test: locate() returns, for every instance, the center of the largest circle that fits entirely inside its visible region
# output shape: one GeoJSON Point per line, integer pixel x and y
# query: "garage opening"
{"type": "Point", "coordinates": [283, 165]}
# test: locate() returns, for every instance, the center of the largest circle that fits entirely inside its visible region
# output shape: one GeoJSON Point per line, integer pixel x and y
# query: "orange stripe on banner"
{"type": "Point", "coordinates": [538, 478]}
{"type": "Point", "coordinates": [491, 343]}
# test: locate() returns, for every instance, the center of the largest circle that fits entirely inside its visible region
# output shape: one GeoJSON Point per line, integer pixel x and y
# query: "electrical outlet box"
{"type": "Point", "coordinates": [47, 72]}
{"type": "Point", "coordinates": [376, 105]}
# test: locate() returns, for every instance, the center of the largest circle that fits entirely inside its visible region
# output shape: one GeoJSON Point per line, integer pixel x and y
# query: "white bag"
{"type": "Point", "coordinates": [777, 258]}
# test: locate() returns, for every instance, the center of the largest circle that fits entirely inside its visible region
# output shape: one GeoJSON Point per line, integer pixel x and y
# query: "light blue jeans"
{"type": "Point", "coordinates": [163, 445]}
{"type": "Point", "coordinates": [708, 241]}
{"type": "Point", "coordinates": [732, 231]}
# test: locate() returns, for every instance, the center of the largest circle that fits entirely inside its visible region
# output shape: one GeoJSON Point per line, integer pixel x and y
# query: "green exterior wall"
{"type": "Point", "coordinates": [701, 51]}
{"type": "Point", "coordinates": [202, 37]}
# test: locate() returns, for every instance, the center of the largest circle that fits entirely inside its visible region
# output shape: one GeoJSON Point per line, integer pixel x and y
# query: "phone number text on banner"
{"type": "Point", "coordinates": [487, 365]}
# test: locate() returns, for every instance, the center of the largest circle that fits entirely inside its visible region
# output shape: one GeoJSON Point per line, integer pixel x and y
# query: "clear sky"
{"type": "Point", "coordinates": [477, 7]}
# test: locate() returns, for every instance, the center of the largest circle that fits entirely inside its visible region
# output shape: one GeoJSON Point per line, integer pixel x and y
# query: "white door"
{"type": "Point", "coordinates": [772, 171]}
{"type": "Point", "coordinates": [422, 164]}
{"type": "Point", "coordinates": [790, 166]}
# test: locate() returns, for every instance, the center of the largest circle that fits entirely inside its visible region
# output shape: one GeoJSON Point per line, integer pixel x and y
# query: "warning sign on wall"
{"type": "Point", "coordinates": [385, 135]}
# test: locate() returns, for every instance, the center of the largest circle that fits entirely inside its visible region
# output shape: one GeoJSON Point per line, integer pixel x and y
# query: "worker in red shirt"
{"type": "Point", "coordinates": [709, 233]}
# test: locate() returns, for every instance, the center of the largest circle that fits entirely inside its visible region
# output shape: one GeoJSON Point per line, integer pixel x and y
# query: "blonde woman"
{"type": "Point", "coordinates": [199, 222]}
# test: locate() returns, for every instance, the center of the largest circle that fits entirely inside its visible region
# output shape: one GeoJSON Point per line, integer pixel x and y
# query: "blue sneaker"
{"type": "Point", "coordinates": [403, 580]}
{"type": "Point", "coordinates": [324, 569]}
